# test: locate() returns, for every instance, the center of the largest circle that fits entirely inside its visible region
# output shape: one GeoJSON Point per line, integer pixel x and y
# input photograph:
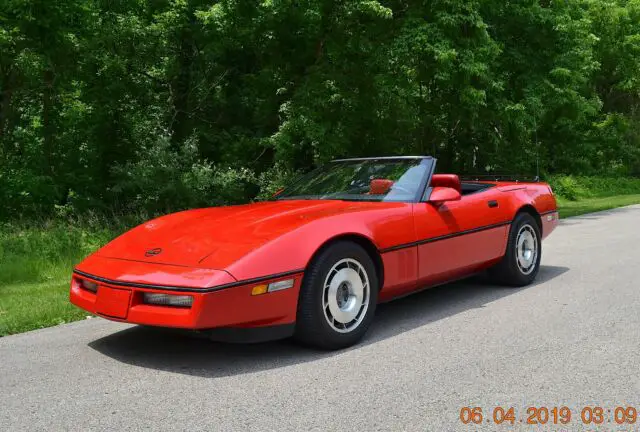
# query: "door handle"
{"type": "Point", "coordinates": [492, 203]}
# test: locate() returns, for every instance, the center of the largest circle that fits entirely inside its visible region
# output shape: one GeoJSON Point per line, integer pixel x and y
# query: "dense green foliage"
{"type": "Point", "coordinates": [574, 188]}
{"type": "Point", "coordinates": [153, 105]}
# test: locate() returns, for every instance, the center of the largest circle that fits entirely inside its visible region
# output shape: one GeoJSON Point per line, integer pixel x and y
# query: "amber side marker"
{"type": "Point", "coordinates": [272, 287]}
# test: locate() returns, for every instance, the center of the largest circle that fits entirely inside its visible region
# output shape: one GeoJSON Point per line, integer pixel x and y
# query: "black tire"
{"type": "Point", "coordinates": [312, 325]}
{"type": "Point", "coordinates": [508, 271]}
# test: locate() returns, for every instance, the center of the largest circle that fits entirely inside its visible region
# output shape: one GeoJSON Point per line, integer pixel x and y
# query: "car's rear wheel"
{"type": "Point", "coordinates": [338, 297]}
{"type": "Point", "coordinates": [521, 262]}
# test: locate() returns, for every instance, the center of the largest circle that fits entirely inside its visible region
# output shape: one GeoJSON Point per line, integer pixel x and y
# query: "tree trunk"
{"type": "Point", "coordinates": [47, 124]}
{"type": "Point", "coordinates": [6, 94]}
{"type": "Point", "coordinates": [182, 85]}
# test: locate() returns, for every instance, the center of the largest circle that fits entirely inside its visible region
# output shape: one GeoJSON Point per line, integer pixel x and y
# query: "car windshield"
{"type": "Point", "coordinates": [363, 180]}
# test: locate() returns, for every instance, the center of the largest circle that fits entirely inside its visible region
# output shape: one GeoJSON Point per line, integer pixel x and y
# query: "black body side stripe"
{"type": "Point", "coordinates": [284, 274]}
{"type": "Point", "coordinates": [444, 237]}
{"type": "Point", "coordinates": [188, 289]}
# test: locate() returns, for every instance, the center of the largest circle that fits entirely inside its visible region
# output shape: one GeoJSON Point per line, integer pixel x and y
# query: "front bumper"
{"type": "Point", "coordinates": [229, 307]}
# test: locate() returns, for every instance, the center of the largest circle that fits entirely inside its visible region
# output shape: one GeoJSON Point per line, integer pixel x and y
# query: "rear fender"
{"type": "Point", "coordinates": [539, 199]}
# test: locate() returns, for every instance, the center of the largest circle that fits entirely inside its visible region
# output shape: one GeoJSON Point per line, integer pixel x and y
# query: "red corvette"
{"type": "Point", "coordinates": [314, 261]}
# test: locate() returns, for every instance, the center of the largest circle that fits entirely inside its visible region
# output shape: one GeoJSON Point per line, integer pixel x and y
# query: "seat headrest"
{"type": "Point", "coordinates": [380, 186]}
{"type": "Point", "coordinates": [446, 180]}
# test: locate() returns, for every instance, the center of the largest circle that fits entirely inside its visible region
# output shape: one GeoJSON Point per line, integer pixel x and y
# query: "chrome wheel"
{"type": "Point", "coordinates": [526, 249]}
{"type": "Point", "coordinates": [345, 297]}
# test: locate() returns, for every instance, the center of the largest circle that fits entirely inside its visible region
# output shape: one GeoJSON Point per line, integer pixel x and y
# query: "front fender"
{"type": "Point", "coordinates": [293, 250]}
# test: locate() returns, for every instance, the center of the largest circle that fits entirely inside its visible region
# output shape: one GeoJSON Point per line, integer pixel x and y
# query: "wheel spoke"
{"type": "Point", "coordinates": [346, 295]}
{"type": "Point", "coordinates": [526, 249]}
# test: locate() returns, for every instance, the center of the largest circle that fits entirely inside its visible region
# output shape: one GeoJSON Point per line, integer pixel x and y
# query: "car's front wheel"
{"type": "Point", "coordinates": [338, 297]}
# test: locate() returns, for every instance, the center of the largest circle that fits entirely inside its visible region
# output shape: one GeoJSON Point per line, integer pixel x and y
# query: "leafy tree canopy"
{"type": "Point", "coordinates": [156, 105]}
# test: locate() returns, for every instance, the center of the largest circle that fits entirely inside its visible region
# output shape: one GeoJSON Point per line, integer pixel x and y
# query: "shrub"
{"type": "Point", "coordinates": [576, 187]}
{"type": "Point", "coordinates": [567, 187]}
{"type": "Point", "coordinates": [164, 179]}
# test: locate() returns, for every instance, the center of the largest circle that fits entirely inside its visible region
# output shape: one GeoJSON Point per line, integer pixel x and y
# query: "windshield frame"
{"type": "Point", "coordinates": [427, 161]}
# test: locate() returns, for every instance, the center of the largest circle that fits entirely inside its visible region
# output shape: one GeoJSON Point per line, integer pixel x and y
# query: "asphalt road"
{"type": "Point", "coordinates": [570, 339]}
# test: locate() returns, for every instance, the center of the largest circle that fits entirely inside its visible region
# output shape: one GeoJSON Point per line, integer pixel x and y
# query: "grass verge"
{"type": "Point", "coordinates": [35, 270]}
{"type": "Point", "coordinates": [590, 205]}
{"type": "Point", "coordinates": [31, 306]}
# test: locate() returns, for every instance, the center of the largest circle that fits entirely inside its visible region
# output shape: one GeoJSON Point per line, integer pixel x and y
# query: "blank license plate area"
{"type": "Point", "coordinates": [113, 302]}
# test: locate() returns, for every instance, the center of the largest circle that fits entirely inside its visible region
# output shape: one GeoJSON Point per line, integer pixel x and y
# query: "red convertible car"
{"type": "Point", "coordinates": [315, 260]}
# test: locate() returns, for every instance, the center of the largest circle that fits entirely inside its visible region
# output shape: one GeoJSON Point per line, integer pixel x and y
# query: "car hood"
{"type": "Point", "coordinates": [221, 235]}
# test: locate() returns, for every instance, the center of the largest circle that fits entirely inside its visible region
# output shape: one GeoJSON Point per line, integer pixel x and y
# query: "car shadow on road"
{"type": "Point", "coordinates": [176, 352]}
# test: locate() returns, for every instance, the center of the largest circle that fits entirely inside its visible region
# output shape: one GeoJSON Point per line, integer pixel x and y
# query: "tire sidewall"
{"type": "Point", "coordinates": [312, 325]}
{"type": "Point", "coordinates": [518, 277]}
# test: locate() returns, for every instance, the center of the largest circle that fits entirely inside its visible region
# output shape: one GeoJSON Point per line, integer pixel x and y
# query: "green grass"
{"type": "Point", "coordinates": [36, 260]}
{"type": "Point", "coordinates": [589, 205]}
{"type": "Point", "coordinates": [30, 306]}
{"type": "Point", "coordinates": [35, 270]}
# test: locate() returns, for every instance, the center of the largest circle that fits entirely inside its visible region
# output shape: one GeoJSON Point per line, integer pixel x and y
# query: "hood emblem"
{"type": "Point", "coordinates": [153, 252]}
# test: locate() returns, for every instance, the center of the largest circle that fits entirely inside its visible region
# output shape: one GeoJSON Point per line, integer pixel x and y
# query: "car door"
{"type": "Point", "coordinates": [456, 238]}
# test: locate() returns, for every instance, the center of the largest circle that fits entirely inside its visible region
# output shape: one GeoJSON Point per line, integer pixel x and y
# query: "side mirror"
{"type": "Point", "coordinates": [440, 195]}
